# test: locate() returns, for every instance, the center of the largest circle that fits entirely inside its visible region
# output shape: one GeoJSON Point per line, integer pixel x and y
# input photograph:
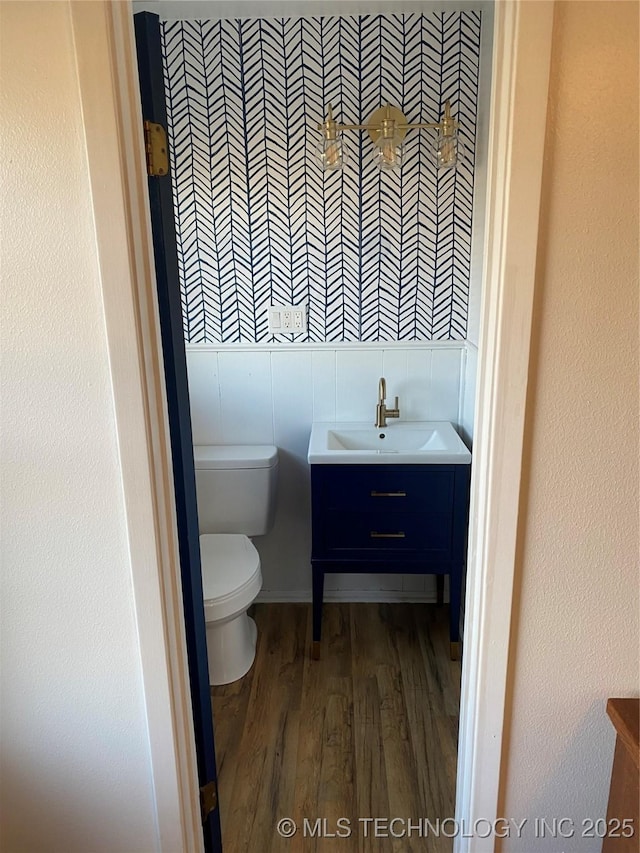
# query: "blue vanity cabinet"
{"type": "Point", "coordinates": [389, 518]}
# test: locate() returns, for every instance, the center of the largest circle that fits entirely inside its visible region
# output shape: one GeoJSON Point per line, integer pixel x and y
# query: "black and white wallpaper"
{"type": "Point", "coordinates": [374, 256]}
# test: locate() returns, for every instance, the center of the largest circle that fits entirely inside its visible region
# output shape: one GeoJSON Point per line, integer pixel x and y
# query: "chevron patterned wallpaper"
{"type": "Point", "coordinates": [375, 257]}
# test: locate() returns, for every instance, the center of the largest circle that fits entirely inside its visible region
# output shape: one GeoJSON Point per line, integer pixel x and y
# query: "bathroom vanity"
{"type": "Point", "coordinates": [389, 500]}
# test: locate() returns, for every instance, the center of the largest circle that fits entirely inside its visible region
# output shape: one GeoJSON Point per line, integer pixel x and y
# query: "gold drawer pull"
{"type": "Point", "coordinates": [375, 535]}
{"type": "Point", "coordinates": [388, 494]}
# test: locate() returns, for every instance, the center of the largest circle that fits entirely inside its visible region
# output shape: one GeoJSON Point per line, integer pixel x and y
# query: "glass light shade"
{"type": "Point", "coordinates": [448, 151]}
{"type": "Point", "coordinates": [332, 153]}
{"type": "Point", "coordinates": [388, 153]}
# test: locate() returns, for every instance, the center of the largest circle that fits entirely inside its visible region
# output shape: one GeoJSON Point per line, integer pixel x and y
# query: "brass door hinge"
{"type": "Point", "coordinates": [155, 143]}
{"type": "Point", "coordinates": [208, 800]}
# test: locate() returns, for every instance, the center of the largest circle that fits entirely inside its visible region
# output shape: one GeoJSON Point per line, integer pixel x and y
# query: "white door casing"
{"type": "Point", "coordinates": [520, 83]}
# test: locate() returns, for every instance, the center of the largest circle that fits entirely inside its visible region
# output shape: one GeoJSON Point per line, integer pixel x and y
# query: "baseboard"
{"type": "Point", "coordinates": [268, 596]}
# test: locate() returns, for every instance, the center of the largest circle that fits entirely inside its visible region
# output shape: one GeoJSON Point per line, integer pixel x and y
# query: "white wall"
{"type": "Point", "coordinates": [576, 634]}
{"type": "Point", "coordinates": [262, 394]}
{"type": "Point", "coordinates": [75, 759]}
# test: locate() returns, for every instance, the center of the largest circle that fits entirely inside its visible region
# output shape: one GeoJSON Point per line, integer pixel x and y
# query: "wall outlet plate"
{"type": "Point", "coordinates": [287, 319]}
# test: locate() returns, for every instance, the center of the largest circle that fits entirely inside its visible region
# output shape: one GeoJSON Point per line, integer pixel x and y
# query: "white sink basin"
{"type": "Point", "coordinates": [409, 442]}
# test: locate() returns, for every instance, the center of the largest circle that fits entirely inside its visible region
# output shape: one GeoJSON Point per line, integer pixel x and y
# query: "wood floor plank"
{"type": "Point", "coordinates": [289, 680]}
{"type": "Point", "coordinates": [447, 735]}
{"type": "Point", "coordinates": [371, 640]}
{"type": "Point", "coordinates": [252, 756]}
{"type": "Point", "coordinates": [422, 714]}
{"type": "Point", "coordinates": [336, 655]}
{"type": "Point", "coordinates": [251, 823]}
{"type": "Point", "coordinates": [281, 784]}
{"type": "Point", "coordinates": [367, 731]}
{"type": "Point", "coordinates": [400, 762]}
{"type": "Point", "coordinates": [372, 799]}
{"type": "Point", "coordinates": [229, 703]}
{"type": "Point", "coordinates": [307, 781]}
{"type": "Point", "coordinates": [443, 674]}
{"type": "Point", "coordinates": [324, 782]}
{"type": "Point", "coordinates": [336, 794]}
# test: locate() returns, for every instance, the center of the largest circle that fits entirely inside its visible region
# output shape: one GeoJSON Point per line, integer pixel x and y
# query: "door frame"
{"type": "Point", "coordinates": [109, 92]}
{"type": "Point", "coordinates": [523, 34]}
{"type": "Point", "coordinates": [104, 43]}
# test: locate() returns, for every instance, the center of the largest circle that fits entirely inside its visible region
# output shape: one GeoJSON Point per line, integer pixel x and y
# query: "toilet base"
{"type": "Point", "coordinates": [231, 648]}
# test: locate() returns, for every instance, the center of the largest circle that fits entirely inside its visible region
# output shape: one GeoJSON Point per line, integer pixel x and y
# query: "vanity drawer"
{"type": "Point", "coordinates": [392, 488]}
{"type": "Point", "coordinates": [382, 531]}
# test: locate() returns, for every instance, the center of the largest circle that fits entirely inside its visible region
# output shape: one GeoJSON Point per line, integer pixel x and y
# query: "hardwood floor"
{"type": "Point", "coordinates": [368, 731]}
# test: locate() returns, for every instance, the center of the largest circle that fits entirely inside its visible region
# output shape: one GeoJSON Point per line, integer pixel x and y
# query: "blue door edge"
{"type": "Point", "coordinates": [150, 72]}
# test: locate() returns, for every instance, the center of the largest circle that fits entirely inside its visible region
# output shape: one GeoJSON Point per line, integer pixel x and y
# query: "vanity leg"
{"type": "Point", "coordinates": [439, 590]}
{"type": "Point", "coordinates": [318, 594]}
{"type": "Point", "coordinates": [458, 557]}
{"type": "Point", "coordinates": [455, 584]}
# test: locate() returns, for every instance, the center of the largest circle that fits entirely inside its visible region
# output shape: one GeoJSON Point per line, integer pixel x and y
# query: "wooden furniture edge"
{"type": "Point", "coordinates": [625, 716]}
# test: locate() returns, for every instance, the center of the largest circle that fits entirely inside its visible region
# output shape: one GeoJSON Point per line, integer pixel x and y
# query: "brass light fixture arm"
{"type": "Point", "coordinates": [330, 128]}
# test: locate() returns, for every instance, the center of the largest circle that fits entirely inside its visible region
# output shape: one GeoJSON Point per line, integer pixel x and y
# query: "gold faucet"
{"type": "Point", "coordinates": [382, 413]}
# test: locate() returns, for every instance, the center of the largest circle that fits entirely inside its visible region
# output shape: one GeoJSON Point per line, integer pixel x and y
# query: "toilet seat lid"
{"type": "Point", "coordinates": [229, 561]}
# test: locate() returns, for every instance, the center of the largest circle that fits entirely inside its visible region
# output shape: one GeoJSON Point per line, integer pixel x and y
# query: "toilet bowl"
{"type": "Point", "coordinates": [235, 488]}
{"type": "Point", "coordinates": [231, 579]}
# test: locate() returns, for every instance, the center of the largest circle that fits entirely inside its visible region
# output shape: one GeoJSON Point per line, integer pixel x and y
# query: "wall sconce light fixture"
{"type": "Point", "coordinates": [387, 128]}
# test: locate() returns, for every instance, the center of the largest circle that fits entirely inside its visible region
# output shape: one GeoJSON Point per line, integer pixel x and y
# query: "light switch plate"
{"type": "Point", "coordinates": [287, 319]}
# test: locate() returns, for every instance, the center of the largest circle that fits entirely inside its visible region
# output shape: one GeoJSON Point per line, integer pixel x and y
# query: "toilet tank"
{"type": "Point", "coordinates": [236, 487]}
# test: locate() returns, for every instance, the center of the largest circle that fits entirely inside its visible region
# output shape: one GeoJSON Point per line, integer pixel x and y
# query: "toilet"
{"type": "Point", "coordinates": [235, 486]}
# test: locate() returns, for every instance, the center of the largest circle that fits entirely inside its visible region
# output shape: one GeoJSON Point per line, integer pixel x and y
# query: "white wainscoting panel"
{"type": "Point", "coordinates": [357, 375]}
{"type": "Point", "coordinates": [469, 378]}
{"type": "Point", "coordinates": [246, 403]}
{"type": "Point", "coordinates": [204, 397]}
{"type": "Point", "coordinates": [323, 367]}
